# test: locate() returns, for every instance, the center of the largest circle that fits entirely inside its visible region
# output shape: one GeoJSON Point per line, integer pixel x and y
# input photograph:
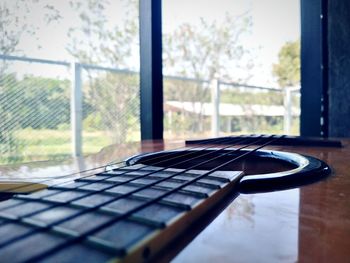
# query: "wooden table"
{"type": "Point", "coordinates": [307, 224]}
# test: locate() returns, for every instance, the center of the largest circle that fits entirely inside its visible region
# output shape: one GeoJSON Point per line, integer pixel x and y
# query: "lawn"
{"type": "Point", "coordinates": [39, 145]}
{"type": "Point", "coordinates": [42, 145]}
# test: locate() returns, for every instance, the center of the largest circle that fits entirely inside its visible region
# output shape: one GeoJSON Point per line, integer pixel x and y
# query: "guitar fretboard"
{"type": "Point", "coordinates": [128, 214]}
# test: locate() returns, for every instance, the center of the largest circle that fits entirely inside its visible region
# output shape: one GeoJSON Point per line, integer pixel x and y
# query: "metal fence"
{"type": "Point", "coordinates": [200, 108]}
{"type": "Point", "coordinates": [54, 109]}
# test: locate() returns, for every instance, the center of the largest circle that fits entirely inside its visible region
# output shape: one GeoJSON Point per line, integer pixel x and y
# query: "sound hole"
{"type": "Point", "coordinates": [251, 164]}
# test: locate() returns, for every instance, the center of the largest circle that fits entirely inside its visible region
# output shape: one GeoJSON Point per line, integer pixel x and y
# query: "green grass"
{"type": "Point", "coordinates": [40, 145]}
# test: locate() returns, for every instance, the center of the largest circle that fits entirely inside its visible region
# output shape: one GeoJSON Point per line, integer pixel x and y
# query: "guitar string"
{"type": "Point", "coordinates": [105, 166]}
{"type": "Point", "coordinates": [7, 243]}
{"type": "Point", "coordinates": [17, 188]}
{"type": "Point", "coordinates": [87, 210]}
{"type": "Point", "coordinates": [95, 168]}
{"type": "Point", "coordinates": [119, 217]}
{"type": "Point", "coordinates": [127, 181]}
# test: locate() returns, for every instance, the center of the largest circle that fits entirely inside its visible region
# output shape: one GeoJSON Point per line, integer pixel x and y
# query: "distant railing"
{"type": "Point", "coordinates": [287, 101]}
{"type": "Point", "coordinates": [76, 102]}
{"type": "Point", "coordinates": [76, 107]}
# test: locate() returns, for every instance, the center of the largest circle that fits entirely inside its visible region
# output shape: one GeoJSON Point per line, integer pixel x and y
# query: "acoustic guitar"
{"type": "Point", "coordinates": [153, 204]}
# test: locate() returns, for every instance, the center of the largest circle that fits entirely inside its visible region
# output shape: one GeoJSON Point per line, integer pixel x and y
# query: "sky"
{"type": "Point", "coordinates": [274, 23]}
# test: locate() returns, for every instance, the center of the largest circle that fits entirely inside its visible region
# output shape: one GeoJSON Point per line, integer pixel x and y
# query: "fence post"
{"type": "Point", "coordinates": [215, 101]}
{"type": "Point", "coordinates": [76, 110]}
{"type": "Point", "coordinates": [287, 101]}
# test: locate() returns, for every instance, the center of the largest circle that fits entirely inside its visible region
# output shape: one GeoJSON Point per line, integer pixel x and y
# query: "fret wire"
{"type": "Point", "coordinates": [72, 180]}
{"type": "Point", "coordinates": [167, 167]}
{"type": "Point", "coordinates": [127, 214]}
{"type": "Point", "coordinates": [58, 177]}
{"type": "Point", "coordinates": [130, 212]}
{"type": "Point", "coordinates": [129, 193]}
{"type": "Point", "coordinates": [184, 155]}
{"type": "Point", "coordinates": [216, 141]}
{"type": "Point", "coordinates": [140, 177]}
{"type": "Point", "coordinates": [135, 178]}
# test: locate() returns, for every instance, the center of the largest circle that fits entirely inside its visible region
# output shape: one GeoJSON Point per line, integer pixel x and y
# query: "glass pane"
{"type": "Point", "coordinates": [231, 67]}
{"type": "Point", "coordinates": [66, 66]}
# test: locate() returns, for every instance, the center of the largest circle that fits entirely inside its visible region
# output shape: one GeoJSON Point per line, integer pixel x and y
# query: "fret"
{"type": "Point", "coordinates": [210, 182]}
{"type": "Point", "coordinates": [122, 235]}
{"type": "Point", "coordinates": [162, 174]}
{"type": "Point", "coordinates": [120, 178]}
{"type": "Point", "coordinates": [30, 246]}
{"type": "Point", "coordinates": [9, 203]}
{"type": "Point", "coordinates": [226, 176]}
{"type": "Point", "coordinates": [97, 186]}
{"type": "Point", "coordinates": [123, 189]}
{"type": "Point", "coordinates": [66, 196]}
{"type": "Point", "coordinates": [86, 253]}
{"type": "Point", "coordinates": [118, 171]}
{"type": "Point", "coordinates": [146, 181]}
{"type": "Point", "coordinates": [53, 215]}
{"type": "Point", "coordinates": [24, 209]}
{"type": "Point", "coordinates": [83, 223]}
{"type": "Point", "coordinates": [123, 205]}
{"type": "Point", "coordinates": [186, 201]}
{"type": "Point", "coordinates": [151, 192]}
{"type": "Point", "coordinates": [12, 230]}
{"type": "Point", "coordinates": [159, 214]}
{"type": "Point", "coordinates": [94, 178]}
{"type": "Point", "coordinates": [72, 185]}
{"type": "Point", "coordinates": [94, 200]}
{"type": "Point", "coordinates": [179, 180]}
{"type": "Point", "coordinates": [77, 209]}
{"type": "Point", "coordinates": [40, 194]}
{"type": "Point", "coordinates": [205, 191]}
{"type": "Point", "coordinates": [134, 167]}
{"type": "Point", "coordinates": [199, 189]}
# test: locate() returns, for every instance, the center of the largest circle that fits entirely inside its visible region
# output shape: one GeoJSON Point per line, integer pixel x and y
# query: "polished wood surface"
{"type": "Point", "coordinates": [307, 224]}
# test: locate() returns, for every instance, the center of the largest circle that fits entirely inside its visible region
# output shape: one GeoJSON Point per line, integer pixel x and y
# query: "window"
{"type": "Point", "coordinates": [231, 67]}
{"type": "Point", "coordinates": [69, 81]}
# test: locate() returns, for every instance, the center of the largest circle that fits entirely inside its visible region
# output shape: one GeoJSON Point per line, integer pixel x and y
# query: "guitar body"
{"type": "Point", "coordinates": [281, 203]}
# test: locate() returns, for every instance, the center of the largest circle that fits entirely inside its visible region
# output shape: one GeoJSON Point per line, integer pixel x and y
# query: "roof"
{"type": "Point", "coordinates": [227, 109]}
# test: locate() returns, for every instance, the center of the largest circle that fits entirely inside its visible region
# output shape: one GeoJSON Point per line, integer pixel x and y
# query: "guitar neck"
{"type": "Point", "coordinates": [119, 214]}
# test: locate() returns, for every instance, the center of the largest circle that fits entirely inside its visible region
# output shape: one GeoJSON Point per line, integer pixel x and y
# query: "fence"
{"type": "Point", "coordinates": [54, 109]}
{"type": "Point", "coordinates": [210, 108]}
{"type": "Point", "coordinates": [68, 109]}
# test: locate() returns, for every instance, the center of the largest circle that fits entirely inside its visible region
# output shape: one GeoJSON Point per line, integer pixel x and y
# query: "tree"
{"type": "Point", "coordinates": [207, 51]}
{"type": "Point", "coordinates": [114, 102]}
{"type": "Point", "coordinates": [112, 96]}
{"type": "Point", "coordinates": [33, 102]}
{"type": "Point", "coordinates": [14, 104]}
{"type": "Point", "coordinates": [204, 51]}
{"type": "Point", "coordinates": [95, 41]}
{"type": "Point", "coordinates": [15, 24]}
{"type": "Point", "coordinates": [287, 70]}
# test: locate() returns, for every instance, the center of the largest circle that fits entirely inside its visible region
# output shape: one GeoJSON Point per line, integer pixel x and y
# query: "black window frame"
{"type": "Point", "coordinates": [314, 69]}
